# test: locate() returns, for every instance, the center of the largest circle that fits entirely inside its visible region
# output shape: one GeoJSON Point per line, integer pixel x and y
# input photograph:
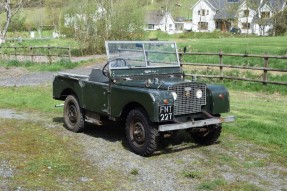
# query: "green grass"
{"type": "Point", "coordinates": [60, 65]}
{"type": "Point", "coordinates": [261, 118]}
{"type": "Point", "coordinates": [33, 66]}
{"type": "Point", "coordinates": [29, 99]}
{"type": "Point", "coordinates": [241, 85]}
{"type": "Point", "coordinates": [63, 42]}
{"type": "Point", "coordinates": [42, 159]}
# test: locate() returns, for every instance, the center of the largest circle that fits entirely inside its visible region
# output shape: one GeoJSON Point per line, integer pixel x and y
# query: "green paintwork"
{"type": "Point", "coordinates": [216, 105]}
{"type": "Point", "coordinates": [131, 86]}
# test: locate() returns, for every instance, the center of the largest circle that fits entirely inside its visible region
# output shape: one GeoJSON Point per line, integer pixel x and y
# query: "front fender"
{"type": "Point", "coordinates": [149, 99]}
{"type": "Point", "coordinates": [217, 99]}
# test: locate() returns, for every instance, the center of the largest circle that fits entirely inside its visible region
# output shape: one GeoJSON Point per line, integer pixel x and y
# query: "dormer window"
{"type": "Point", "coordinates": [203, 12]}
{"type": "Point", "coordinates": [246, 13]}
{"type": "Point", "coordinates": [265, 14]}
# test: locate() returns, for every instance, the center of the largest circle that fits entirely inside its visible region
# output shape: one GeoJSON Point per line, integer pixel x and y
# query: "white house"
{"type": "Point", "coordinates": [160, 20]}
{"type": "Point", "coordinates": [263, 23]}
{"type": "Point", "coordinates": [245, 16]}
{"type": "Point", "coordinates": [203, 13]}
{"type": "Point", "coordinates": [209, 15]}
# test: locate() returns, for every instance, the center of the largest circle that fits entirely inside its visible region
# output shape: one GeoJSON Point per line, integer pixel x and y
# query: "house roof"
{"type": "Point", "coordinates": [226, 9]}
{"type": "Point", "coordinates": [275, 5]}
{"type": "Point", "coordinates": [154, 17]}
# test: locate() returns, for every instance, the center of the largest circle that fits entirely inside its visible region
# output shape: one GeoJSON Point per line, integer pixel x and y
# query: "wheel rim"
{"type": "Point", "coordinates": [72, 113]}
{"type": "Point", "coordinates": [137, 133]}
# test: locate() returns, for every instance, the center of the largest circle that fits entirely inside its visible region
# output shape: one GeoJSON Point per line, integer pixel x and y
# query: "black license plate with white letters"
{"type": "Point", "coordinates": [166, 113]}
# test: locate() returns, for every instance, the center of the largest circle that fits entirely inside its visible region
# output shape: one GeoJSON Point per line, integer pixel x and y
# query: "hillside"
{"type": "Point", "coordinates": [178, 8]}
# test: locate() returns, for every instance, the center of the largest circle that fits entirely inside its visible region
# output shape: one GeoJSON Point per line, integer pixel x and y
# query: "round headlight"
{"type": "Point", "coordinates": [198, 94]}
{"type": "Point", "coordinates": [174, 95]}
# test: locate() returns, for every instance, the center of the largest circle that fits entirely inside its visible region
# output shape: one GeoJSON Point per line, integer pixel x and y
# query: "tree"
{"type": "Point", "coordinates": [276, 9]}
{"type": "Point", "coordinates": [54, 10]}
{"type": "Point", "coordinates": [10, 8]}
{"type": "Point", "coordinates": [95, 21]}
{"type": "Point", "coordinates": [127, 20]}
{"type": "Point", "coordinates": [281, 27]}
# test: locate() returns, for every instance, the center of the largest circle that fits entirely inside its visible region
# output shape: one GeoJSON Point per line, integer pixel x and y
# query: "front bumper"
{"type": "Point", "coordinates": [192, 124]}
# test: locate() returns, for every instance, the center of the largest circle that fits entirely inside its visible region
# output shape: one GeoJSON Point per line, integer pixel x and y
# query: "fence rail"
{"type": "Point", "coordinates": [34, 52]}
{"type": "Point", "coordinates": [265, 68]}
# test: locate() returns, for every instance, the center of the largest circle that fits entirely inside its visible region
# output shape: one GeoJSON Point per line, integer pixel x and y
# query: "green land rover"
{"type": "Point", "coordinates": [143, 85]}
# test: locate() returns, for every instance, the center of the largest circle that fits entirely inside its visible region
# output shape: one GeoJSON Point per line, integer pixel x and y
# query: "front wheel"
{"type": "Point", "coordinates": [73, 115]}
{"type": "Point", "coordinates": [141, 134]}
{"type": "Point", "coordinates": [206, 136]}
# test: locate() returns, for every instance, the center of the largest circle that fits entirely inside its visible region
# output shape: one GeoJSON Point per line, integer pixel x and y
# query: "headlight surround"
{"type": "Point", "coordinates": [174, 95]}
{"type": "Point", "coordinates": [198, 93]}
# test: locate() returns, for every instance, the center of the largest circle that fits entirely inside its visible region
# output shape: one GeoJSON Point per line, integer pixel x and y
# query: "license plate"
{"type": "Point", "coordinates": [166, 113]}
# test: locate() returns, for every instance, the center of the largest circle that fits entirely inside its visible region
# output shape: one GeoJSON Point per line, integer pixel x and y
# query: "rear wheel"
{"type": "Point", "coordinates": [73, 115]}
{"type": "Point", "coordinates": [141, 134]}
{"type": "Point", "coordinates": [206, 136]}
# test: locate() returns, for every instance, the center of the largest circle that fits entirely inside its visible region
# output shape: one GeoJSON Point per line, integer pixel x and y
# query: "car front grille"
{"type": "Point", "coordinates": [186, 101]}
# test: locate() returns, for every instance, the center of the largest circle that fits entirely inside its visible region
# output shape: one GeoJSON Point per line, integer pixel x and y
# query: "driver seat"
{"type": "Point", "coordinates": [96, 75]}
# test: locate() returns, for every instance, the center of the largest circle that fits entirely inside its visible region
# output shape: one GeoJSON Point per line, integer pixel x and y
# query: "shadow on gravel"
{"type": "Point", "coordinates": [114, 132]}
{"type": "Point", "coordinates": [58, 120]}
{"type": "Point", "coordinates": [110, 132]}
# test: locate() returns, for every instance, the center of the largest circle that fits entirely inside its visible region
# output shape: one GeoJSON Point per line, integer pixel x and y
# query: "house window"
{"type": "Point", "coordinates": [203, 12]}
{"type": "Point", "coordinates": [202, 25]}
{"type": "Point", "coordinates": [246, 25]}
{"type": "Point", "coordinates": [150, 26]}
{"type": "Point", "coordinates": [265, 15]}
{"type": "Point", "coordinates": [246, 13]}
{"type": "Point", "coordinates": [232, 1]}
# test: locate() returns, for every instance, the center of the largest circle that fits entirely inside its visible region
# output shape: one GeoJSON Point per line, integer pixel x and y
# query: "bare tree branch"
{"type": "Point", "coordinates": [10, 9]}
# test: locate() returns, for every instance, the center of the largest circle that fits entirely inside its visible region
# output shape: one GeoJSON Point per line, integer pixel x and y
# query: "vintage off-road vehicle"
{"type": "Point", "coordinates": [144, 86]}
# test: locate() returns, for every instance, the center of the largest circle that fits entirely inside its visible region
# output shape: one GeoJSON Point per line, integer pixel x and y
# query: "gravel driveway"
{"type": "Point", "coordinates": [177, 165]}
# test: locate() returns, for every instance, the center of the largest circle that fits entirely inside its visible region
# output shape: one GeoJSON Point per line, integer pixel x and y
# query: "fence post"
{"type": "Point", "coordinates": [32, 53]}
{"type": "Point", "coordinates": [15, 52]}
{"type": "Point", "coordinates": [70, 53]}
{"type": "Point", "coordinates": [49, 55]}
{"type": "Point", "coordinates": [221, 63]}
{"type": "Point", "coordinates": [265, 74]}
{"type": "Point", "coordinates": [180, 59]}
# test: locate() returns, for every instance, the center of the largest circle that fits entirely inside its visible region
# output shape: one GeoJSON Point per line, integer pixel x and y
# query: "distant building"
{"type": "Point", "coordinates": [252, 17]}
{"type": "Point", "coordinates": [263, 22]}
{"type": "Point", "coordinates": [160, 20]}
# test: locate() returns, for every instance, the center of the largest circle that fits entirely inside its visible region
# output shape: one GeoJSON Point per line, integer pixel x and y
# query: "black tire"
{"type": "Point", "coordinates": [206, 136]}
{"type": "Point", "coordinates": [141, 134]}
{"type": "Point", "coordinates": [73, 115]}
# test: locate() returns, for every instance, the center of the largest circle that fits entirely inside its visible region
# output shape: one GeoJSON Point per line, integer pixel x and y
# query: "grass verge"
{"type": "Point", "coordinates": [261, 119]}
{"type": "Point", "coordinates": [55, 66]}
{"type": "Point", "coordinates": [40, 159]}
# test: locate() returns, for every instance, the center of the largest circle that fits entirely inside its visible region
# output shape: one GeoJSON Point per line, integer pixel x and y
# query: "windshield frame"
{"type": "Point", "coordinates": [142, 49]}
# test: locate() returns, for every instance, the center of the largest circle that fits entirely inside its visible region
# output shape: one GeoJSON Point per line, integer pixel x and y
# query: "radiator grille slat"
{"type": "Point", "coordinates": [186, 101]}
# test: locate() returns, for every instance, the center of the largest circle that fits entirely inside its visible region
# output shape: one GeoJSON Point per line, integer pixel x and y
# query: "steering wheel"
{"type": "Point", "coordinates": [105, 70]}
{"type": "Point", "coordinates": [118, 62]}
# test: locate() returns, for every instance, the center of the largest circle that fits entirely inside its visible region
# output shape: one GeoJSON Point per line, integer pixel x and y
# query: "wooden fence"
{"type": "Point", "coordinates": [265, 66]}
{"type": "Point", "coordinates": [35, 53]}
